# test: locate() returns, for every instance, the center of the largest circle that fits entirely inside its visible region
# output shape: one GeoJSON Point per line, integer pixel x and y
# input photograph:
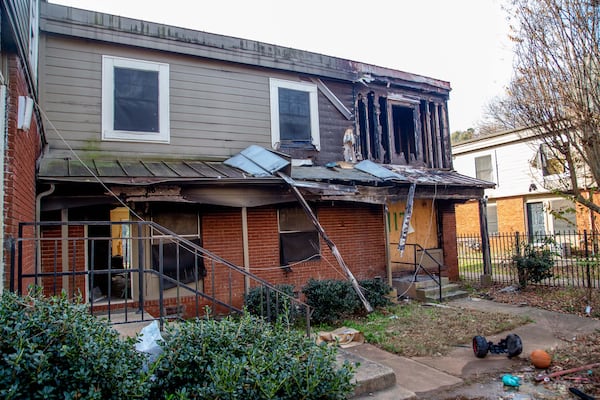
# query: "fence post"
{"type": "Point", "coordinates": [486, 278]}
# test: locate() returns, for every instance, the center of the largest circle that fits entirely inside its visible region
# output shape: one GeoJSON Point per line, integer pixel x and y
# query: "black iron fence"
{"type": "Point", "coordinates": [575, 257]}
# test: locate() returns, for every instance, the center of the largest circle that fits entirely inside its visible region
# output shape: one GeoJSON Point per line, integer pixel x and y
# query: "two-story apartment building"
{"type": "Point", "coordinates": [159, 123]}
{"type": "Point", "coordinates": [525, 173]}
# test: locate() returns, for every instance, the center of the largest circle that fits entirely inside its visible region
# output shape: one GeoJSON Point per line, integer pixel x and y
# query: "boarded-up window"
{"type": "Point", "coordinates": [483, 168]}
{"type": "Point", "coordinates": [299, 239]}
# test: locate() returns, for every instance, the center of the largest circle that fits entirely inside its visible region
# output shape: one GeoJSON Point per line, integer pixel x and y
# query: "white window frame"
{"type": "Point", "coordinates": [274, 85]}
{"type": "Point", "coordinates": [490, 171]}
{"type": "Point", "coordinates": [108, 132]}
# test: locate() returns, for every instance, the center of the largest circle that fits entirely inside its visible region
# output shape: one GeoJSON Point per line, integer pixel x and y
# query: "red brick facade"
{"type": "Point", "coordinates": [22, 150]}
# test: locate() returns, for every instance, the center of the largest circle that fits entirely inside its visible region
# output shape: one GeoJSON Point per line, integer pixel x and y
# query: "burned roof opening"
{"type": "Point", "coordinates": [373, 131]}
{"type": "Point", "coordinates": [362, 128]}
{"type": "Point", "coordinates": [385, 137]}
{"type": "Point", "coordinates": [403, 128]}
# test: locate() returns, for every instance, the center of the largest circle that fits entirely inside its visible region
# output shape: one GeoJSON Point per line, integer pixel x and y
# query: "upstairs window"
{"type": "Point", "coordinates": [298, 237]}
{"type": "Point", "coordinates": [550, 161]}
{"type": "Point", "coordinates": [483, 168]}
{"type": "Point", "coordinates": [135, 100]}
{"type": "Point", "coordinates": [294, 114]}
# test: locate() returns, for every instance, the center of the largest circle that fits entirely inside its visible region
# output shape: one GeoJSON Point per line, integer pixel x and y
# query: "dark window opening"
{"type": "Point", "coordinates": [385, 136]}
{"type": "Point", "coordinates": [404, 132]}
{"type": "Point", "coordinates": [373, 137]}
{"type": "Point", "coordinates": [425, 142]}
{"type": "Point", "coordinates": [136, 105]}
{"type": "Point", "coordinates": [434, 137]}
{"type": "Point", "coordinates": [294, 115]}
{"type": "Point", "coordinates": [298, 237]}
{"type": "Point", "coordinates": [362, 129]}
{"type": "Point", "coordinates": [178, 262]}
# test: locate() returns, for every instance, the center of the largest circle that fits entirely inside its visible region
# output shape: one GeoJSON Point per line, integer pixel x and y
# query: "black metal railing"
{"type": "Point", "coordinates": [157, 274]}
{"type": "Point", "coordinates": [422, 259]}
{"type": "Point", "coordinates": [575, 256]}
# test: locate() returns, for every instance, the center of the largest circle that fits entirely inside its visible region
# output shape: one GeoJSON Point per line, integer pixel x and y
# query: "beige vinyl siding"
{"type": "Point", "coordinates": [216, 109]}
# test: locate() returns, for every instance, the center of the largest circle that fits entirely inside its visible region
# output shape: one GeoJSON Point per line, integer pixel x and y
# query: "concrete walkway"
{"type": "Point", "coordinates": [421, 377]}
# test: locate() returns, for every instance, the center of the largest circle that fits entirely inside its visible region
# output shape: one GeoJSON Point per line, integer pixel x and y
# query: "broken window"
{"type": "Point", "coordinates": [135, 100]}
{"type": "Point", "coordinates": [362, 128]}
{"type": "Point", "coordinates": [179, 261]}
{"type": "Point", "coordinates": [403, 132]}
{"type": "Point", "coordinates": [550, 161]}
{"type": "Point", "coordinates": [294, 114]}
{"type": "Point", "coordinates": [299, 239]}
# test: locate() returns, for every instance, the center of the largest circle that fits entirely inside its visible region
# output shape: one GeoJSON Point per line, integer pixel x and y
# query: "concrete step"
{"type": "Point", "coordinates": [432, 293]}
{"type": "Point", "coordinates": [426, 289]}
{"type": "Point", "coordinates": [369, 376]}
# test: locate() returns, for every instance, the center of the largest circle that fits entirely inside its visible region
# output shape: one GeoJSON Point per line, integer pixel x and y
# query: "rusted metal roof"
{"type": "Point", "coordinates": [139, 172]}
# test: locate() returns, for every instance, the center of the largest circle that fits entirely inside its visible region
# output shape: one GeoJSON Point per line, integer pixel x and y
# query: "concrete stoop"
{"type": "Point", "coordinates": [426, 289]}
{"type": "Point", "coordinates": [369, 376]}
{"type": "Point", "coordinates": [410, 377]}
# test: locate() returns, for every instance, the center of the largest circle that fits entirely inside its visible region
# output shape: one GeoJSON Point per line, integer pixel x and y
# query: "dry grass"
{"type": "Point", "coordinates": [413, 329]}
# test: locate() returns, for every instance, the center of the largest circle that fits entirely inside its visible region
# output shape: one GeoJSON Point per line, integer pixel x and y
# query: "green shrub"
{"type": "Point", "coordinates": [53, 349]}
{"type": "Point", "coordinates": [334, 300]}
{"type": "Point", "coordinates": [246, 358]}
{"type": "Point", "coordinates": [534, 262]}
{"type": "Point", "coordinates": [270, 304]}
{"type": "Point", "coordinates": [331, 300]}
{"type": "Point", "coordinates": [376, 292]}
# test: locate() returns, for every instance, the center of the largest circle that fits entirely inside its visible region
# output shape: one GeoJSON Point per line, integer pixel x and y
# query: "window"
{"type": "Point", "coordinates": [135, 100]}
{"type": "Point", "coordinates": [294, 114]}
{"type": "Point", "coordinates": [564, 218]}
{"type": "Point", "coordinates": [483, 168]}
{"type": "Point", "coordinates": [492, 219]}
{"type": "Point", "coordinates": [298, 237]}
{"type": "Point", "coordinates": [178, 260]}
{"type": "Point", "coordinates": [550, 161]}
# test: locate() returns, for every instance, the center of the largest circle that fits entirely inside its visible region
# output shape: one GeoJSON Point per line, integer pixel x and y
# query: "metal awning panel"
{"type": "Point", "coordinates": [379, 171]}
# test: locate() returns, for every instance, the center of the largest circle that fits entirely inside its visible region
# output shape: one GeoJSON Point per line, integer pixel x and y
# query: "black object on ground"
{"type": "Point", "coordinates": [511, 345]}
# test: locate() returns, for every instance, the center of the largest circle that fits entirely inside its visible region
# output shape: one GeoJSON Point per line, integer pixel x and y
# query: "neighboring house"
{"type": "Point", "coordinates": [152, 121]}
{"type": "Point", "coordinates": [22, 138]}
{"type": "Point", "coordinates": [524, 172]}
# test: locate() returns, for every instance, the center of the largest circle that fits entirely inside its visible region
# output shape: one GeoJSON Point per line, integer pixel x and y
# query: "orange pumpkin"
{"type": "Point", "coordinates": [540, 358]}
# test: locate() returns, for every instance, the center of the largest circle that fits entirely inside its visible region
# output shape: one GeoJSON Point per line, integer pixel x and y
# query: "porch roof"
{"type": "Point", "coordinates": [142, 172]}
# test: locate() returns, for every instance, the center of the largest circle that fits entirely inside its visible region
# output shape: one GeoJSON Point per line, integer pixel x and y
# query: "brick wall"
{"type": "Point", "coordinates": [22, 151]}
{"type": "Point", "coordinates": [356, 230]}
{"type": "Point", "coordinates": [511, 214]}
{"type": "Point", "coordinates": [467, 218]}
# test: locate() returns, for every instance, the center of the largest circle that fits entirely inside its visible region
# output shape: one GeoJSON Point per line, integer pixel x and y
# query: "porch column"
{"type": "Point", "coordinates": [245, 248]}
{"type": "Point", "coordinates": [486, 278]}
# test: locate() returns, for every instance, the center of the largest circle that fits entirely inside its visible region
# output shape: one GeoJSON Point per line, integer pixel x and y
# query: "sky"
{"type": "Point", "coordinates": [464, 42]}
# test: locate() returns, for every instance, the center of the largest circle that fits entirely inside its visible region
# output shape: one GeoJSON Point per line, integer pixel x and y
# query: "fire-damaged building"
{"type": "Point", "coordinates": [275, 165]}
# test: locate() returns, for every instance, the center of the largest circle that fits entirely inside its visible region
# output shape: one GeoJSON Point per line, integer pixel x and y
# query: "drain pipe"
{"type": "Point", "coordinates": [38, 212]}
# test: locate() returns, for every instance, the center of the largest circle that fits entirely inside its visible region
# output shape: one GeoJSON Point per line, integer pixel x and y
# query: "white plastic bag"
{"type": "Point", "coordinates": [148, 341]}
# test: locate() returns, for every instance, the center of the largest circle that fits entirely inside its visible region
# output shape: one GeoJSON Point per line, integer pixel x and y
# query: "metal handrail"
{"type": "Point", "coordinates": [200, 255]}
{"type": "Point", "coordinates": [419, 266]}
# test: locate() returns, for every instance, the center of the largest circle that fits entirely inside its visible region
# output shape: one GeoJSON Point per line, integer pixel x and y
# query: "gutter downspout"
{"type": "Point", "coordinates": [388, 260]}
{"type": "Point", "coordinates": [38, 211]}
{"type": "Point", "coordinates": [2, 158]}
{"type": "Point", "coordinates": [246, 248]}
